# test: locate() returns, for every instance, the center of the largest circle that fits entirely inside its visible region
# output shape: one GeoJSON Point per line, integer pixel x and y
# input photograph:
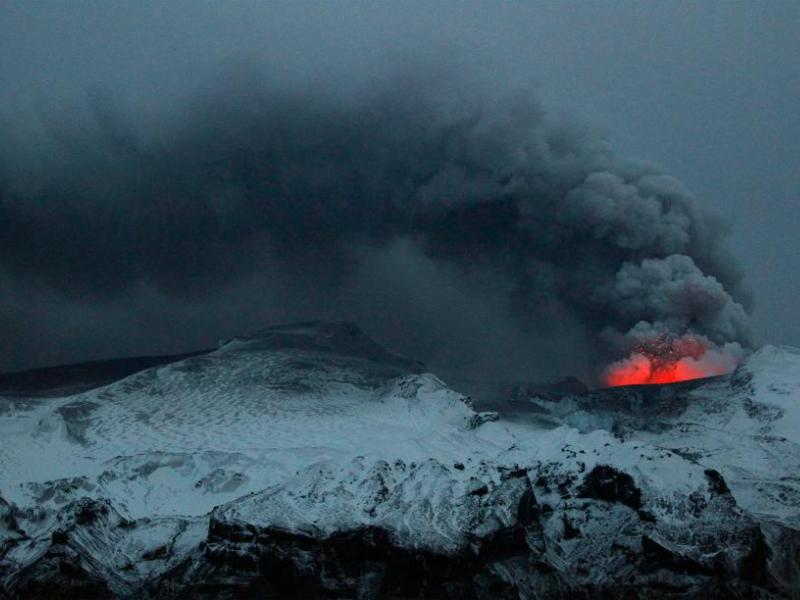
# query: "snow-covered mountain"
{"type": "Point", "coordinates": [309, 462]}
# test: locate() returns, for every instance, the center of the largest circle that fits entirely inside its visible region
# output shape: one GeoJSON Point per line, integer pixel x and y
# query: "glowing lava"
{"type": "Point", "coordinates": [669, 360]}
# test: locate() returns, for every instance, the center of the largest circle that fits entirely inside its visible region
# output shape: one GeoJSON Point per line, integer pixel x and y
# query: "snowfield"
{"type": "Point", "coordinates": [308, 461]}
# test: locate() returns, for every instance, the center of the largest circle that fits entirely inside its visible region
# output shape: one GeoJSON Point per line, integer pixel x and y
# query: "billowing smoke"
{"type": "Point", "coordinates": [687, 325]}
{"type": "Point", "coordinates": [664, 357]}
{"type": "Point", "coordinates": [465, 228]}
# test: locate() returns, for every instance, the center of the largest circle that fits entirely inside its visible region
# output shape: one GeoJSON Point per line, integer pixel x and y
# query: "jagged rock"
{"type": "Point", "coordinates": [480, 418]}
{"type": "Point", "coordinates": [309, 462]}
{"type": "Point", "coordinates": [609, 484]}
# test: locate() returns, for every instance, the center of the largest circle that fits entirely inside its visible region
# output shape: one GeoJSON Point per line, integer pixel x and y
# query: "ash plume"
{"type": "Point", "coordinates": [463, 227]}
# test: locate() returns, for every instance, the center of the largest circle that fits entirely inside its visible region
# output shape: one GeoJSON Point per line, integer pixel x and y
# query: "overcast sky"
{"type": "Point", "coordinates": [710, 90]}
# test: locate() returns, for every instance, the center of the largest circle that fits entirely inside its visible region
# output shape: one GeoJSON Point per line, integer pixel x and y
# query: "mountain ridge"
{"type": "Point", "coordinates": [329, 468]}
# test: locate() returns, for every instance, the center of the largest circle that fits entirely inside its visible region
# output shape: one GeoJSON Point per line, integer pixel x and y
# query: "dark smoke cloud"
{"type": "Point", "coordinates": [464, 227]}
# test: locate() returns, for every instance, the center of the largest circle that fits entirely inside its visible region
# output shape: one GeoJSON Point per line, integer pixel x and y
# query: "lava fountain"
{"type": "Point", "coordinates": [670, 359]}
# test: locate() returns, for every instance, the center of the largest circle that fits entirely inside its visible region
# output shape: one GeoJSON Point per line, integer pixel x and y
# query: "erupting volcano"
{"type": "Point", "coordinates": [670, 359]}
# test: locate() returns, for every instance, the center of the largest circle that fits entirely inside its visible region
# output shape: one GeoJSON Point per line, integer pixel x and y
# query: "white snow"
{"type": "Point", "coordinates": [184, 438]}
{"type": "Point", "coordinates": [748, 429]}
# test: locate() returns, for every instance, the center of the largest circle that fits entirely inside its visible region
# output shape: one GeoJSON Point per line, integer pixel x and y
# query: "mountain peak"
{"type": "Point", "coordinates": [336, 337]}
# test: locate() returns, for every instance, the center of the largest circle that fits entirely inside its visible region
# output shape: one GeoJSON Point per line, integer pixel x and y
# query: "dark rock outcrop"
{"type": "Point", "coordinates": [608, 484]}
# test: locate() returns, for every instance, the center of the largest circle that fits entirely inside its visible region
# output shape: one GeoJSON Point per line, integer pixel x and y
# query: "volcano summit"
{"type": "Point", "coordinates": [307, 461]}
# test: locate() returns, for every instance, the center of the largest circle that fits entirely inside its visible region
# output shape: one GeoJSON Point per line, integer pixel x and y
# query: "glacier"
{"type": "Point", "coordinates": [307, 461]}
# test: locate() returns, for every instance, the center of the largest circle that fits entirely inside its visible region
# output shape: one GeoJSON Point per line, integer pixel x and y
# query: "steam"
{"type": "Point", "coordinates": [690, 325]}
{"type": "Point", "coordinates": [669, 358]}
{"type": "Point", "coordinates": [420, 201]}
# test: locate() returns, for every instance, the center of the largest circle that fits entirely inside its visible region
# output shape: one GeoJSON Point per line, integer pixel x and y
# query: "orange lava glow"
{"type": "Point", "coordinates": [666, 361]}
{"type": "Point", "coordinates": [639, 370]}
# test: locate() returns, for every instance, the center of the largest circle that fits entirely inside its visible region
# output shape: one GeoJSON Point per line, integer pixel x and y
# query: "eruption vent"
{"type": "Point", "coordinates": [669, 359]}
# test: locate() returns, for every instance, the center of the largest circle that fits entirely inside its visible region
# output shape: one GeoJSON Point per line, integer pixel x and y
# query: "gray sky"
{"type": "Point", "coordinates": [709, 90]}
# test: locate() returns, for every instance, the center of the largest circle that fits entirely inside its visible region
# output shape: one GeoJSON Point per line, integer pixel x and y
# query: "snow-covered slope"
{"type": "Point", "coordinates": [181, 438]}
{"type": "Point", "coordinates": [746, 426]}
{"type": "Point", "coordinates": [308, 461]}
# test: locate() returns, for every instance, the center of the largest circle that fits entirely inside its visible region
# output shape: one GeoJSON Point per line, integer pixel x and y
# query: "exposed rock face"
{"type": "Point", "coordinates": [498, 540]}
{"type": "Point", "coordinates": [606, 483]}
{"type": "Point", "coordinates": [348, 473]}
{"type": "Point", "coordinates": [527, 555]}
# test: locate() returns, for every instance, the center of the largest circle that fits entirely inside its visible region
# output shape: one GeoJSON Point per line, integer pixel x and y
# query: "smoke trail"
{"type": "Point", "coordinates": [535, 226]}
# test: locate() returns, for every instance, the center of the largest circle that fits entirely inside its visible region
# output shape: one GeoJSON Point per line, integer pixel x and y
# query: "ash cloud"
{"type": "Point", "coordinates": [461, 226]}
